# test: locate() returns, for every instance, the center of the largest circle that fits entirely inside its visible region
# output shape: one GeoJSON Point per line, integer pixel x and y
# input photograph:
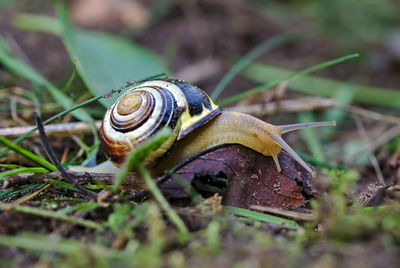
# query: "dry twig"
{"type": "Point", "coordinates": [373, 115]}
{"type": "Point", "coordinates": [286, 213]}
{"type": "Point", "coordinates": [70, 179]}
{"type": "Point", "coordinates": [371, 156]}
{"type": "Point", "coordinates": [83, 178]}
{"type": "Point", "coordinates": [58, 130]}
{"type": "Point", "coordinates": [286, 106]}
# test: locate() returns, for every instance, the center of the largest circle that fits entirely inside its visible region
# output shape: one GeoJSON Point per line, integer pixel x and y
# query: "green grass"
{"type": "Point", "coordinates": [258, 216]}
{"type": "Point", "coordinates": [50, 214]}
{"type": "Point", "coordinates": [23, 70]}
{"type": "Point", "coordinates": [314, 85]}
{"type": "Point", "coordinates": [289, 77]}
{"type": "Point", "coordinates": [27, 154]}
{"type": "Point", "coordinates": [21, 170]}
{"type": "Point", "coordinates": [243, 62]}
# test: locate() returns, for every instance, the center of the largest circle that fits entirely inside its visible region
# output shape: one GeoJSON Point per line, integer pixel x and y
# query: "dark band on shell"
{"type": "Point", "coordinates": [195, 98]}
{"type": "Point", "coordinates": [168, 116]}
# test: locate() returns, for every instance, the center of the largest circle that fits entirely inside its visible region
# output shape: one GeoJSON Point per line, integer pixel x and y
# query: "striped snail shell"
{"type": "Point", "coordinates": [147, 108]}
{"type": "Point", "coordinates": [197, 125]}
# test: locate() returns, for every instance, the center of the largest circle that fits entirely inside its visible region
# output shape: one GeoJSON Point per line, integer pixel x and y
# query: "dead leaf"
{"type": "Point", "coordinates": [252, 178]}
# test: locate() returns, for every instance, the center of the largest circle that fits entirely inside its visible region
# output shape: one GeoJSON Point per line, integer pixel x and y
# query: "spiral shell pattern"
{"type": "Point", "coordinates": [147, 108]}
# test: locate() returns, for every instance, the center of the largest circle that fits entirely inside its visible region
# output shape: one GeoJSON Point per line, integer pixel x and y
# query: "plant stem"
{"type": "Point", "coordinates": [180, 225]}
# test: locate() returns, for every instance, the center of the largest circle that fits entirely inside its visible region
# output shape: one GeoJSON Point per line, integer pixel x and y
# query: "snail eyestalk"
{"type": "Point", "coordinates": [291, 127]}
{"type": "Point", "coordinates": [287, 128]}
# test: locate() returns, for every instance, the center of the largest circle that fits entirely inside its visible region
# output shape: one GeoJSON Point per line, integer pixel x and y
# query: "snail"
{"type": "Point", "coordinates": [197, 124]}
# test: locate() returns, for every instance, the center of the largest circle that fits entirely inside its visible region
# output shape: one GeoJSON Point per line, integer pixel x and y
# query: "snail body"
{"type": "Point", "coordinates": [197, 125]}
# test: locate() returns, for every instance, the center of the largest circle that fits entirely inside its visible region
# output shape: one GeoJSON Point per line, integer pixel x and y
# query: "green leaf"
{"type": "Point", "coordinates": [105, 61]}
{"type": "Point", "coordinates": [324, 87]}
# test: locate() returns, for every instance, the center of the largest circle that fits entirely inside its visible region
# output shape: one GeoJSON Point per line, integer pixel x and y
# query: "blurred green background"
{"type": "Point", "coordinates": [86, 48]}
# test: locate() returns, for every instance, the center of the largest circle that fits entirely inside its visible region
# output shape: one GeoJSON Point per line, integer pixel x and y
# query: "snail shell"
{"type": "Point", "coordinates": [148, 107]}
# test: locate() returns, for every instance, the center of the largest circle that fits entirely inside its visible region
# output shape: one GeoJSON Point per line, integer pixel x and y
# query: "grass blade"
{"type": "Point", "coordinates": [286, 78]}
{"type": "Point", "coordinates": [87, 206]}
{"type": "Point", "coordinates": [135, 160]}
{"type": "Point", "coordinates": [16, 171]}
{"type": "Point", "coordinates": [11, 192]}
{"type": "Point", "coordinates": [139, 154]}
{"type": "Point", "coordinates": [71, 79]}
{"type": "Point", "coordinates": [40, 23]}
{"type": "Point", "coordinates": [344, 96]}
{"type": "Point", "coordinates": [53, 215]}
{"type": "Point", "coordinates": [180, 225]}
{"type": "Point", "coordinates": [11, 166]}
{"type": "Point", "coordinates": [32, 157]}
{"type": "Point", "coordinates": [253, 54]}
{"type": "Point", "coordinates": [27, 197]}
{"type": "Point", "coordinates": [188, 188]}
{"type": "Point", "coordinates": [23, 70]}
{"type": "Point", "coordinates": [325, 87]}
{"type": "Point", "coordinates": [64, 184]}
{"type": "Point", "coordinates": [309, 135]}
{"type": "Point", "coordinates": [260, 216]}
{"type": "Point", "coordinates": [38, 243]}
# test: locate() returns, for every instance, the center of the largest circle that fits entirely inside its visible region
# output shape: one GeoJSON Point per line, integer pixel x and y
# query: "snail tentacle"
{"type": "Point", "coordinates": [276, 160]}
{"type": "Point", "coordinates": [291, 127]}
{"type": "Point", "coordinates": [293, 154]}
